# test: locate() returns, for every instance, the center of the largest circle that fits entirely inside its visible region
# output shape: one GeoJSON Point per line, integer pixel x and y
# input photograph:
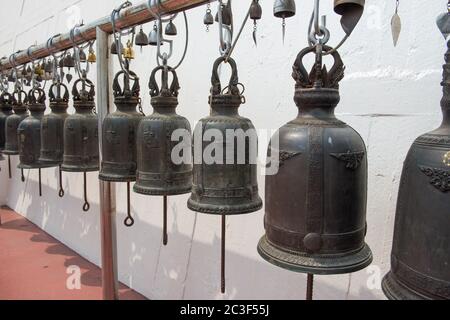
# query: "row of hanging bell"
{"type": "Point", "coordinates": [29, 134]}
{"type": "Point", "coordinates": [420, 254]}
{"type": "Point", "coordinates": [220, 188]}
{"type": "Point", "coordinates": [81, 152]}
{"type": "Point", "coordinates": [315, 217]}
{"type": "Point", "coordinates": [157, 173]}
{"type": "Point", "coordinates": [119, 136]}
{"type": "Point", "coordinates": [20, 113]}
{"type": "Point", "coordinates": [52, 132]}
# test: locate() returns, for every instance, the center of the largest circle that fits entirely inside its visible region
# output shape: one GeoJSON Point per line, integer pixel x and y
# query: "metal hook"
{"type": "Point", "coordinates": [129, 221]}
{"type": "Point", "coordinates": [76, 50]}
{"type": "Point", "coordinates": [12, 61]}
{"type": "Point", "coordinates": [225, 44]}
{"type": "Point", "coordinates": [160, 39]}
{"type": "Point", "coordinates": [61, 189]}
{"type": "Point", "coordinates": [86, 205]}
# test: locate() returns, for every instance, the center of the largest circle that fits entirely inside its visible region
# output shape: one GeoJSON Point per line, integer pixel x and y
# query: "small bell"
{"type": "Point", "coordinates": [61, 63]}
{"type": "Point", "coordinates": [255, 15]}
{"type": "Point", "coordinates": [82, 55]}
{"type": "Point", "coordinates": [92, 58]}
{"type": "Point", "coordinates": [351, 12]}
{"type": "Point", "coordinates": [69, 61]}
{"type": "Point", "coordinates": [39, 70]}
{"type": "Point", "coordinates": [171, 29]}
{"type": "Point", "coordinates": [141, 39]}
{"type": "Point", "coordinates": [11, 76]}
{"type": "Point", "coordinates": [153, 36]}
{"type": "Point", "coordinates": [128, 52]}
{"type": "Point", "coordinates": [208, 20]}
{"type": "Point", "coordinates": [48, 67]}
{"type": "Point", "coordinates": [284, 9]}
{"type": "Point", "coordinates": [114, 49]}
{"type": "Point", "coordinates": [227, 16]}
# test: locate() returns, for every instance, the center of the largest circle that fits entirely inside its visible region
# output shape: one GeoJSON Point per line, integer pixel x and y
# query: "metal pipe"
{"type": "Point", "coordinates": [130, 17]}
{"type": "Point", "coordinates": [107, 190]}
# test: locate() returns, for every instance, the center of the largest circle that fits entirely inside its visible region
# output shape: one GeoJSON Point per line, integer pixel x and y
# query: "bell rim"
{"type": "Point", "coordinates": [33, 166]}
{"type": "Point", "coordinates": [74, 169]}
{"type": "Point", "coordinates": [395, 290]}
{"type": "Point", "coordinates": [50, 162]}
{"type": "Point", "coordinates": [116, 178]}
{"type": "Point", "coordinates": [314, 264]}
{"type": "Point", "coordinates": [158, 192]}
{"type": "Point", "coordinates": [235, 210]}
{"type": "Point", "coordinates": [10, 152]}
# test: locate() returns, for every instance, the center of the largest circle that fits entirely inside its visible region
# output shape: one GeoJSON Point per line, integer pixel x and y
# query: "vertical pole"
{"type": "Point", "coordinates": [107, 189]}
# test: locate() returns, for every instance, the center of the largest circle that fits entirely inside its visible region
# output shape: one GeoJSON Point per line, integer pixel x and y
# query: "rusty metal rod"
{"type": "Point", "coordinates": [130, 17]}
{"type": "Point", "coordinates": [310, 287]}
{"type": "Point", "coordinates": [9, 167]}
{"type": "Point", "coordinates": [223, 253]}
{"type": "Point", "coordinates": [40, 183]}
{"type": "Point", "coordinates": [165, 233]}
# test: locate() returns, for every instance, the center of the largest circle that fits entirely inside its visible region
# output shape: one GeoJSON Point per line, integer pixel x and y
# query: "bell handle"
{"type": "Point", "coordinates": [20, 96]}
{"type": "Point", "coordinates": [126, 91]}
{"type": "Point", "coordinates": [330, 79]}
{"type": "Point", "coordinates": [84, 95]}
{"type": "Point", "coordinates": [40, 98]}
{"type": "Point", "coordinates": [165, 91]}
{"type": "Point", "coordinates": [51, 93]}
{"type": "Point", "coordinates": [234, 80]}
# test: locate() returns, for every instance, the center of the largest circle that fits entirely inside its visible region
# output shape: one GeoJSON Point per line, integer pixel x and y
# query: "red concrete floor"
{"type": "Point", "coordinates": [33, 265]}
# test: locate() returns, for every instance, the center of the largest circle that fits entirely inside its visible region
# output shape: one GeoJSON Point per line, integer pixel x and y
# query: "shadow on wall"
{"type": "Point", "coordinates": [186, 269]}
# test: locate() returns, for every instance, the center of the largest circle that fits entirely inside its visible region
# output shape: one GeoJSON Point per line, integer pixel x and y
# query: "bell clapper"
{"type": "Point", "coordinates": [61, 189]}
{"type": "Point", "coordinates": [255, 15]}
{"type": "Point", "coordinates": [223, 254]}
{"type": "Point", "coordinates": [9, 167]}
{"type": "Point", "coordinates": [129, 221]}
{"type": "Point", "coordinates": [40, 182]}
{"type": "Point", "coordinates": [165, 233]}
{"type": "Point", "coordinates": [310, 287]}
{"type": "Point", "coordinates": [86, 205]}
{"type": "Point", "coordinates": [396, 24]}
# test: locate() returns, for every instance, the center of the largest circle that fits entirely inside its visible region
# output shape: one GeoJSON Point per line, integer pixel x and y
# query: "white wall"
{"type": "Point", "coordinates": [390, 95]}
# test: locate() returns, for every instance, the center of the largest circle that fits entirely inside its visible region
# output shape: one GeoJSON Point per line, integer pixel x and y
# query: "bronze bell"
{"type": "Point", "coordinates": [351, 12]}
{"type": "Point", "coordinates": [171, 29]}
{"type": "Point", "coordinates": [316, 201]}
{"type": "Point", "coordinates": [141, 39]}
{"type": "Point", "coordinates": [157, 173]}
{"type": "Point", "coordinates": [81, 151]}
{"type": "Point", "coordinates": [29, 134]}
{"type": "Point", "coordinates": [52, 131]}
{"type": "Point", "coordinates": [420, 254]}
{"type": "Point", "coordinates": [226, 185]}
{"type": "Point", "coordinates": [119, 135]}
{"type": "Point", "coordinates": [19, 104]}
{"type": "Point", "coordinates": [284, 8]}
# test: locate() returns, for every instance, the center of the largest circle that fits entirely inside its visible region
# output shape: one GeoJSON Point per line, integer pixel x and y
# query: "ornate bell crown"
{"type": "Point", "coordinates": [126, 92]}
{"type": "Point", "coordinates": [6, 100]}
{"type": "Point", "coordinates": [58, 98]}
{"type": "Point", "coordinates": [83, 95]}
{"type": "Point", "coordinates": [19, 100]}
{"type": "Point", "coordinates": [319, 77]}
{"type": "Point", "coordinates": [230, 95]}
{"type": "Point", "coordinates": [165, 90]}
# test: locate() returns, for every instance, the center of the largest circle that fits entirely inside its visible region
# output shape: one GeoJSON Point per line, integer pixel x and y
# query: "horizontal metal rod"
{"type": "Point", "coordinates": [129, 17]}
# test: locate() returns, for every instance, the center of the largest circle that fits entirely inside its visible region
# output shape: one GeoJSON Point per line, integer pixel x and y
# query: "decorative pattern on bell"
{"type": "Point", "coordinates": [6, 108]}
{"type": "Point", "coordinates": [81, 151]}
{"type": "Point", "coordinates": [157, 173]}
{"type": "Point", "coordinates": [29, 131]}
{"type": "Point", "coordinates": [119, 132]}
{"type": "Point", "coordinates": [20, 100]}
{"type": "Point", "coordinates": [420, 254]}
{"type": "Point", "coordinates": [316, 203]}
{"type": "Point", "coordinates": [52, 132]}
{"type": "Point", "coordinates": [221, 188]}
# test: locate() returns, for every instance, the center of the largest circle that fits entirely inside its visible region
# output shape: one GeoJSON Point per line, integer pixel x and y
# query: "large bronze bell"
{"type": "Point", "coordinates": [316, 203]}
{"type": "Point", "coordinates": [119, 135]}
{"type": "Point", "coordinates": [81, 151]}
{"type": "Point", "coordinates": [421, 249]}
{"type": "Point", "coordinates": [5, 111]}
{"type": "Point", "coordinates": [52, 131]}
{"type": "Point", "coordinates": [29, 133]}
{"type": "Point", "coordinates": [19, 104]}
{"type": "Point", "coordinates": [227, 185]}
{"type": "Point", "coordinates": [157, 173]}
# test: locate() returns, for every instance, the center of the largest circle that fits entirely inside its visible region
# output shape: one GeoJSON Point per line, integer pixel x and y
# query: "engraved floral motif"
{"type": "Point", "coordinates": [285, 156]}
{"type": "Point", "coordinates": [353, 159]}
{"type": "Point", "coordinates": [439, 178]}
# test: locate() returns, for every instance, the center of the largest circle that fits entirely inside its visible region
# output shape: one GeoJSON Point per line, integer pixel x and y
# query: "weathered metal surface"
{"type": "Point", "coordinates": [316, 204]}
{"type": "Point", "coordinates": [420, 254]}
{"type": "Point", "coordinates": [20, 100]}
{"type": "Point", "coordinates": [6, 110]}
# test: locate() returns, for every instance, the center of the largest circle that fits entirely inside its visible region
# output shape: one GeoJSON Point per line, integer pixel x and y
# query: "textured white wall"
{"type": "Point", "coordinates": [390, 95]}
